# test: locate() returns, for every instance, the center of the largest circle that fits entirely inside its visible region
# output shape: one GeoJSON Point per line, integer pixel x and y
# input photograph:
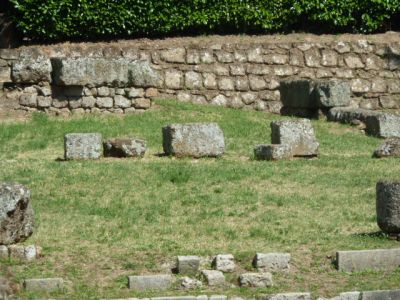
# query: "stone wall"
{"type": "Point", "coordinates": [124, 77]}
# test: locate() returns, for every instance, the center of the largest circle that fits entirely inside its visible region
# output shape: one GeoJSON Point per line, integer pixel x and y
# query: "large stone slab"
{"type": "Point", "coordinates": [299, 134]}
{"type": "Point", "coordinates": [389, 148]}
{"type": "Point", "coordinates": [43, 284]}
{"type": "Point", "coordinates": [360, 260]}
{"type": "Point", "coordinates": [101, 71]}
{"type": "Point", "coordinates": [273, 152]}
{"type": "Point", "coordinates": [349, 115]}
{"type": "Point", "coordinates": [255, 280]}
{"type": "Point", "coordinates": [381, 295]}
{"type": "Point", "coordinates": [83, 146]}
{"type": "Point", "coordinates": [272, 261]}
{"type": "Point", "coordinates": [388, 206]}
{"type": "Point", "coordinates": [150, 282]}
{"type": "Point", "coordinates": [194, 139]}
{"type": "Point", "coordinates": [297, 93]}
{"type": "Point", "coordinates": [383, 125]}
{"type": "Point", "coordinates": [16, 214]}
{"type": "Point", "coordinates": [31, 70]}
{"type": "Point", "coordinates": [125, 147]}
{"type": "Point", "coordinates": [331, 93]}
{"type": "Point", "coordinates": [188, 265]}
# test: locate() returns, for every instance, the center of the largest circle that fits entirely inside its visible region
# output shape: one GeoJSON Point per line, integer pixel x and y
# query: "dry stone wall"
{"type": "Point", "coordinates": [126, 77]}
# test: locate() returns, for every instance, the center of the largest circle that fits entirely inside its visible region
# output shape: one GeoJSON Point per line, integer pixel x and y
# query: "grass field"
{"type": "Point", "coordinates": [99, 221]}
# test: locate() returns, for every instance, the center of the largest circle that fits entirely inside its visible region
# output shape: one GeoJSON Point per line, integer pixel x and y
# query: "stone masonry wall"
{"type": "Point", "coordinates": [125, 77]}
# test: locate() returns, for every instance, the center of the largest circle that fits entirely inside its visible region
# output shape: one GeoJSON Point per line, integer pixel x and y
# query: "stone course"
{"type": "Point", "coordinates": [17, 221]}
{"type": "Point", "coordinates": [360, 260]}
{"type": "Point", "coordinates": [228, 71]}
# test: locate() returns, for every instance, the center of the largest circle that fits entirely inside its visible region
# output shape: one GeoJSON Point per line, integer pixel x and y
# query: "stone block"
{"type": "Point", "coordinates": [332, 93]}
{"type": "Point", "coordinates": [346, 296]}
{"type": "Point", "coordinates": [150, 282]}
{"type": "Point", "coordinates": [121, 101]}
{"type": "Point", "coordinates": [193, 80]}
{"type": "Point", "coordinates": [5, 74]}
{"type": "Point", "coordinates": [389, 148]}
{"type": "Point", "coordinates": [187, 283]}
{"type": "Point", "coordinates": [259, 280]}
{"type": "Point", "coordinates": [383, 125]}
{"type": "Point", "coordinates": [16, 214]}
{"type": "Point", "coordinates": [213, 277]}
{"type": "Point", "coordinates": [31, 70]}
{"type": "Point", "coordinates": [83, 146]}
{"type": "Point", "coordinates": [360, 260]}
{"type": "Point", "coordinates": [173, 79]}
{"type": "Point", "coordinates": [297, 93]}
{"type": "Point", "coordinates": [174, 298]}
{"type": "Point", "coordinates": [24, 253]}
{"type": "Point", "coordinates": [349, 115]}
{"type": "Point", "coordinates": [142, 103]}
{"type": "Point", "coordinates": [88, 102]}
{"type": "Point", "coordinates": [272, 261]}
{"type": "Point", "coordinates": [299, 134]}
{"type": "Point", "coordinates": [124, 147]}
{"type": "Point", "coordinates": [27, 99]}
{"type": "Point", "coordinates": [388, 206]}
{"type": "Point", "coordinates": [194, 139]}
{"type": "Point", "coordinates": [104, 102]}
{"type": "Point", "coordinates": [102, 71]}
{"type": "Point", "coordinates": [188, 265]}
{"type": "Point", "coordinates": [3, 252]}
{"type": "Point", "coordinates": [135, 93]}
{"type": "Point", "coordinates": [381, 295]}
{"type": "Point", "coordinates": [224, 263]}
{"type": "Point", "coordinates": [43, 284]}
{"type": "Point", "coordinates": [175, 55]}
{"type": "Point", "coordinates": [44, 102]}
{"type": "Point", "coordinates": [218, 297]}
{"type": "Point", "coordinates": [288, 296]}
{"type": "Point", "coordinates": [273, 152]}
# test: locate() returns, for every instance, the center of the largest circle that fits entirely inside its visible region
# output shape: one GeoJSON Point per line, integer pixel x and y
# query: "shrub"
{"type": "Point", "coordinates": [69, 19]}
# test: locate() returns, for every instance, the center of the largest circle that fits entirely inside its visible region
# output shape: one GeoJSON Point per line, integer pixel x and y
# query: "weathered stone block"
{"type": "Point", "coordinates": [127, 147]}
{"type": "Point", "coordinates": [44, 102]}
{"type": "Point", "coordinates": [24, 253]}
{"type": "Point", "coordinates": [272, 152]}
{"type": "Point", "coordinates": [255, 280]}
{"type": "Point", "coordinates": [5, 74]}
{"type": "Point", "coordinates": [288, 296]}
{"type": "Point", "coordinates": [224, 263]}
{"type": "Point", "coordinates": [150, 282]}
{"type": "Point", "coordinates": [83, 146]}
{"type": "Point", "coordinates": [272, 261]}
{"type": "Point", "coordinates": [297, 93]}
{"type": "Point", "coordinates": [348, 115]}
{"type": "Point", "coordinates": [101, 71]}
{"type": "Point", "coordinates": [196, 140]}
{"type": "Point", "coordinates": [213, 277]}
{"type": "Point", "coordinates": [16, 214]}
{"type": "Point", "coordinates": [28, 100]}
{"type": "Point", "coordinates": [173, 79]}
{"type": "Point", "coordinates": [88, 102]}
{"type": "Point", "coordinates": [388, 206]}
{"type": "Point", "coordinates": [142, 103]}
{"type": "Point", "coordinates": [3, 252]}
{"type": "Point", "coordinates": [187, 283]}
{"type": "Point", "coordinates": [43, 284]}
{"type": "Point", "coordinates": [31, 70]}
{"type": "Point", "coordinates": [389, 148]}
{"type": "Point", "coordinates": [381, 295]}
{"type": "Point", "coordinates": [299, 134]}
{"type": "Point", "coordinates": [121, 101]}
{"type": "Point", "coordinates": [360, 260]}
{"type": "Point", "coordinates": [188, 265]}
{"type": "Point", "coordinates": [135, 93]}
{"type": "Point", "coordinates": [193, 80]}
{"type": "Point", "coordinates": [383, 125]}
{"type": "Point", "coordinates": [176, 55]}
{"type": "Point", "coordinates": [332, 93]}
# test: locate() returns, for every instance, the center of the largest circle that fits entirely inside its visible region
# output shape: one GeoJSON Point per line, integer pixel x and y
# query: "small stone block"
{"type": "Point", "coordinates": [332, 93]}
{"type": "Point", "coordinates": [348, 115]}
{"type": "Point", "coordinates": [360, 260]}
{"type": "Point", "coordinates": [383, 125]}
{"type": "Point", "coordinates": [3, 252]}
{"type": "Point", "coordinates": [127, 147]}
{"type": "Point", "coordinates": [214, 277]}
{"type": "Point", "coordinates": [289, 296]}
{"type": "Point", "coordinates": [299, 134]}
{"type": "Point", "coordinates": [297, 93]}
{"type": "Point", "coordinates": [224, 263]}
{"type": "Point", "coordinates": [389, 148]}
{"type": "Point", "coordinates": [43, 284]}
{"type": "Point", "coordinates": [195, 140]}
{"type": "Point", "coordinates": [150, 282]}
{"type": "Point", "coordinates": [187, 283]}
{"type": "Point", "coordinates": [255, 280]}
{"type": "Point", "coordinates": [83, 146]}
{"type": "Point", "coordinates": [188, 265]}
{"type": "Point", "coordinates": [218, 297]}
{"type": "Point", "coordinates": [272, 261]}
{"type": "Point", "coordinates": [388, 206]}
{"type": "Point", "coordinates": [272, 152]}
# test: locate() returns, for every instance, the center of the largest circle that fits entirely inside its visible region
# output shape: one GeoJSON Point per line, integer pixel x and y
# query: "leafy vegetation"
{"type": "Point", "coordinates": [100, 221]}
{"type": "Point", "coordinates": [68, 19]}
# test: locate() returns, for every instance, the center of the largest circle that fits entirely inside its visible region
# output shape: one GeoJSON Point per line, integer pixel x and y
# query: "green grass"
{"type": "Point", "coordinates": [99, 221]}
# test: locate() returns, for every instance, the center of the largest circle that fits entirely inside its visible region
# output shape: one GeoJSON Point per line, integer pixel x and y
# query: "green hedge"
{"type": "Point", "coordinates": [93, 19]}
